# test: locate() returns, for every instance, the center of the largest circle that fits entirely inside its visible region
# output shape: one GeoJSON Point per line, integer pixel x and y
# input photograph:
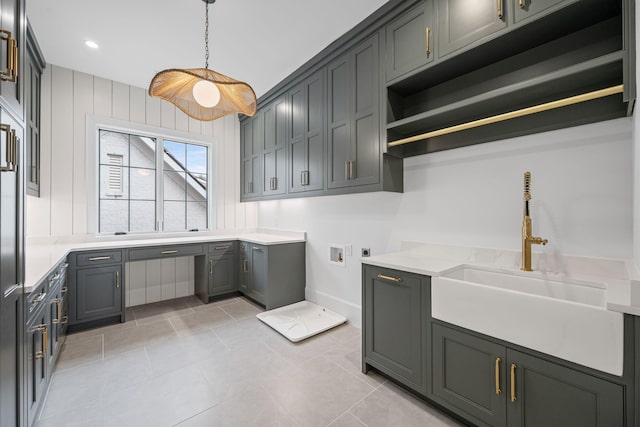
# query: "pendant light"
{"type": "Point", "coordinates": [202, 93]}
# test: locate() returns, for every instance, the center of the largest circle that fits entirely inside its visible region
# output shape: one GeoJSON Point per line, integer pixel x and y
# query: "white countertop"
{"type": "Point", "coordinates": [42, 255]}
{"type": "Point", "coordinates": [619, 276]}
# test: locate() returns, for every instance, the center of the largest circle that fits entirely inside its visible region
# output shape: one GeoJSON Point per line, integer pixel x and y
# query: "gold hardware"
{"type": "Point", "coordinates": [513, 383]}
{"type": "Point", "coordinates": [498, 360]}
{"type": "Point", "coordinates": [65, 320]}
{"type": "Point", "coordinates": [221, 248]}
{"type": "Point", "coordinates": [393, 279]}
{"type": "Point", "coordinates": [39, 355]}
{"type": "Point", "coordinates": [426, 39]}
{"type": "Point", "coordinates": [500, 8]}
{"type": "Point", "coordinates": [117, 279]}
{"type": "Point", "coordinates": [10, 156]}
{"type": "Point", "coordinates": [346, 170]}
{"type": "Point", "coordinates": [99, 258]}
{"type": "Point", "coordinates": [58, 303]}
{"type": "Point", "coordinates": [169, 252]}
{"type": "Point", "coordinates": [11, 74]}
{"type": "Point", "coordinates": [64, 290]}
{"type": "Point", "coordinates": [527, 233]}
{"type": "Point", "coordinates": [210, 266]}
{"type": "Point", "coordinates": [244, 267]}
{"type": "Point", "coordinates": [39, 298]}
{"type": "Point", "coordinates": [45, 336]}
{"type": "Point", "coordinates": [513, 114]}
{"type": "Point", "coordinates": [521, 2]}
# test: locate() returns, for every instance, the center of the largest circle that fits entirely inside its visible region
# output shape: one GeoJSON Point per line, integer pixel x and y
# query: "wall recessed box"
{"type": "Point", "coordinates": [336, 255]}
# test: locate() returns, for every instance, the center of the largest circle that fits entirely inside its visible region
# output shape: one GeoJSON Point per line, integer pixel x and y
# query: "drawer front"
{"type": "Point", "coordinates": [85, 259]}
{"type": "Point", "coordinates": [165, 252]}
{"type": "Point", "coordinates": [221, 248]}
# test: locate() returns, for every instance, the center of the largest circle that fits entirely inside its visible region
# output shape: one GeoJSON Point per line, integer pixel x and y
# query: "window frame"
{"type": "Point", "coordinates": [94, 125]}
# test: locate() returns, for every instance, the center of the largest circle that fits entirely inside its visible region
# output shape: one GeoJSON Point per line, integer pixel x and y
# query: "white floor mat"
{"type": "Point", "coordinates": [301, 320]}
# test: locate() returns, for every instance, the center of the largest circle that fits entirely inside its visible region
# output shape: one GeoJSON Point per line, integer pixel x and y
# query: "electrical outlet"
{"type": "Point", "coordinates": [366, 252]}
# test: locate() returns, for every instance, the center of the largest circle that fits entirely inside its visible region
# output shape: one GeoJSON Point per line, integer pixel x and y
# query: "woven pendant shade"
{"type": "Point", "coordinates": [176, 86]}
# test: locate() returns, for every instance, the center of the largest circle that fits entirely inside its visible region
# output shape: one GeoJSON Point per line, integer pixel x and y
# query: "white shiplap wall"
{"type": "Point", "coordinates": [68, 97]}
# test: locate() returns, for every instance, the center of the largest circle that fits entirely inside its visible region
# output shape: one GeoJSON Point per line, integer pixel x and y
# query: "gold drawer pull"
{"type": "Point", "coordinates": [521, 2]}
{"type": "Point", "coordinates": [45, 339]}
{"type": "Point", "coordinates": [11, 73]}
{"type": "Point", "coordinates": [244, 265]}
{"type": "Point", "coordinates": [100, 258]}
{"type": "Point", "coordinates": [210, 266]}
{"type": "Point", "coordinates": [513, 383]}
{"type": "Point", "coordinates": [11, 149]}
{"type": "Point", "coordinates": [498, 360]}
{"type": "Point", "coordinates": [169, 252]}
{"type": "Point", "coordinates": [393, 279]}
{"type": "Point", "coordinates": [426, 39]}
{"type": "Point", "coordinates": [500, 14]}
{"type": "Point", "coordinates": [221, 248]}
{"type": "Point", "coordinates": [58, 303]}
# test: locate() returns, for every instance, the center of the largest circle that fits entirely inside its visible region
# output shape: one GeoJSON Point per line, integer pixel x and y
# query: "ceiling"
{"type": "Point", "coordinates": [257, 41]}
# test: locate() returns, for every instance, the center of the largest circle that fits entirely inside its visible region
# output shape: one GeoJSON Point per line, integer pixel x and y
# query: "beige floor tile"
{"type": "Point", "coordinates": [391, 406]}
{"type": "Point", "coordinates": [209, 318]}
{"type": "Point", "coordinates": [348, 420]}
{"type": "Point", "coordinates": [182, 351]}
{"type": "Point", "coordinates": [346, 334]}
{"type": "Point", "coordinates": [242, 309]}
{"type": "Point", "coordinates": [80, 352]}
{"type": "Point", "coordinates": [244, 331]}
{"type": "Point", "coordinates": [128, 339]}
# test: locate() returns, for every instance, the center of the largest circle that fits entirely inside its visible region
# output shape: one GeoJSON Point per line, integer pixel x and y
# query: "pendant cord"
{"type": "Point", "coordinates": [206, 36]}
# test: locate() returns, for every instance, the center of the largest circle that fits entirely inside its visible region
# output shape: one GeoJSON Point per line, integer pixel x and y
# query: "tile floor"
{"type": "Point", "coordinates": [185, 363]}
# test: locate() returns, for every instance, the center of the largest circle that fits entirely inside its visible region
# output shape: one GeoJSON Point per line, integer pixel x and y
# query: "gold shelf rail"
{"type": "Point", "coordinates": [602, 93]}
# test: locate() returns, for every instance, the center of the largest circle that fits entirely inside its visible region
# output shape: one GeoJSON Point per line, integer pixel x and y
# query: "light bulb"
{"type": "Point", "coordinates": [206, 93]}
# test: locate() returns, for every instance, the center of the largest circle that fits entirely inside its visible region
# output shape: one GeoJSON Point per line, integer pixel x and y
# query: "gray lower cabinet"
{"type": "Point", "coordinates": [353, 117]}
{"type": "Point", "coordinates": [493, 384]}
{"type": "Point", "coordinates": [410, 40]}
{"type": "Point", "coordinates": [215, 275]}
{"type": "Point", "coordinates": [243, 269]}
{"type": "Point", "coordinates": [37, 368]}
{"type": "Point", "coordinates": [306, 135]}
{"type": "Point", "coordinates": [531, 9]}
{"type": "Point", "coordinates": [462, 23]}
{"type": "Point", "coordinates": [273, 275]}
{"type": "Point", "coordinates": [98, 292]}
{"type": "Point", "coordinates": [396, 316]}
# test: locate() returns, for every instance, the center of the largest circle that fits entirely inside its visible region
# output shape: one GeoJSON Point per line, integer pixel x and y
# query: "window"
{"type": "Point", "coordinates": [148, 183]}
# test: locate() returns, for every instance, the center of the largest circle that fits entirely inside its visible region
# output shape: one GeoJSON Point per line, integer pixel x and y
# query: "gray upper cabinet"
{"type": "Point", "coordinates": [353, 117]}
{"type": "Point", "coordinates": [530, 9]}
{"type": "Point", "coordinates": [410, 40]}
{"type": "Point", "coordinates": [34, 66]}
{"type": "Point", "coordinates": [251, 150]}
{"type": "Point", "coordinates": [492, 384]}
{"type": "Point", "coordinates": [12, 47]}
{"type": "Point", "coordinates": [306, 136]}
{"type": "Point", "coordinates": [396, 314]}
{"type": "Point", "coordinates": [462, 23]}
{"type": "Point", "coordinates": [274, 153]}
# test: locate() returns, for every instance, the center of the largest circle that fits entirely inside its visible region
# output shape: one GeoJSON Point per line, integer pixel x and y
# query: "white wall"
{"type": "Point", "coordinates": [67, 98]}
{"type": "Point", "coordinates": [582, 202]}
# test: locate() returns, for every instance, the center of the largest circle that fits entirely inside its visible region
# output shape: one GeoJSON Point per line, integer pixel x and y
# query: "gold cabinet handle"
{"type": "Point", "coordinates": [521, 3]}
{"type": "Point", "coordinates": [498, 390]}
{"type": "Point", "coordinates": [11, 73]}
{"type": "Point", "coordinates": [210, 266]}
{"type": "Point", "coordinates": [392, 279]}
{"type": "Point", "coordinates": [500, 14]}
{"type": "Point", "coordinates": [45, 339]}
{"type": "Point", "coordinates": [244, 266]}
{"type": "Point", "coordinates": [346, 170]}
{"type": "Point", "coordinates": [513, 383]}
{"type": "Point", "coordinates": [221, 248]}
{"type": "Point", "coordinates": [58, 304]}
{"type": "Point", "coordinates": [117, 279]}
{"type": "Point", "coordinates": [10, 147]}
{"type": "Point", "coordinates": [65, 320]}
{"type": "Point", "coordinates": [352, 166]}
{"type": "Point", "coordinates": [169, 252]}
{"type": "Point", "coordinates": [64, 290]}
{"type": "Point", "coordinates": [427, 40]}
{"type": "Point", "coordinates": [99, 258]}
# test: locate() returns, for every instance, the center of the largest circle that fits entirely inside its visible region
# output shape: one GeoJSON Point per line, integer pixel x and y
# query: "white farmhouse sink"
{"type": "Point", "coordinates": [568, 320]}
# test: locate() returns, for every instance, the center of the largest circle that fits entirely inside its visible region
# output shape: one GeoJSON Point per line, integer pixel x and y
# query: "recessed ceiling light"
{"type": "Point", "coordinates": [91, 44]}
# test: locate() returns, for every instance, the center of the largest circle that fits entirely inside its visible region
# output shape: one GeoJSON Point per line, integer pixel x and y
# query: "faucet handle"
{"type": "Point", "coordinates": [539, 241]}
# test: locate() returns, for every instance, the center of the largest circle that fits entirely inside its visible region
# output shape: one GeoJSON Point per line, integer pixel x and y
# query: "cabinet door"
{"type": "Point", "coordinates": [222, 274]}
{"type": "Point", "coordinates": [243, 271]}
{"type": "Point", "coordinates": [461, 23]}
{"type": "Point", "coordinates": [339, 118]}
{"type": "Point", "coordinates": [395, 319]}
{"type": "Point", "coordinates": [258, 272]}
{"type": "Point", "coordinates": [11, 298]}
{"type": "Point", "coordinates": [250, 173]}
{"type": "Point", "coordinates": [532, 9]}
{"type": "Point", "coordinates": [12, 19]}
{"type": "Point", "coordinates": [36, 359]}
{"type": "Point", "coordinates": [98, 292]}
{"type": "Point", "coordinates": [274, 154]}
{"type": "Point", "coordinates": [410, 41]}
{"type": "Point", "coordinates": [305, 135]}
{"type": "Point", "coordinates": [464, 375]}
{"type": "Point", "coordinates": [550, 395]}
{"type": "Point", "coordinates": [55, 324]}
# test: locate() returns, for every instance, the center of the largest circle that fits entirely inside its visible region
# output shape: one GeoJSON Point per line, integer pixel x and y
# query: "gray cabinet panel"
{"type": "Point", "coordinates": [531, 9]}
{"type": "Point", "coordinates": [243, 271]}
{"type": "Point", "coordinates": [461, 23]}
{"type": "Point", "coordinates": [32, 72]}
{"type": "Point", "coordinates": [554, 396]}
{"type": "Point", "coordinates": [222, 274]}
{"type": "Point", "coordinates": [86, 259]}
{"type": "Point", "coordinates": [464, 375]}
{"type": "Point", "coordinates": [275, 144]}
{"type": "Point", "coordinates": [36, 371]}
{"type": "Point", "coordinates": [98, 292]}
{"type": "Point", "coordinates": [12, 20]}
{"type": "Point", "coordinates": [354, 120]}
{"type": "Point", "coordinates": [407, 37]}
{"type": "Point", "coordinates": [252, 140]}
{"type": "Point", "coordinates": [259, 272]}
{"type": "Point", "coordinates": [396, 313]}
{"type": "Point", "coordinates": [159, 252]}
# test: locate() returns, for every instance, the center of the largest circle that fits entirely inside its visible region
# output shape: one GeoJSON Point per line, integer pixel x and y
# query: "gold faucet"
{"type": "Point", "coordinates": [527, 238]}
